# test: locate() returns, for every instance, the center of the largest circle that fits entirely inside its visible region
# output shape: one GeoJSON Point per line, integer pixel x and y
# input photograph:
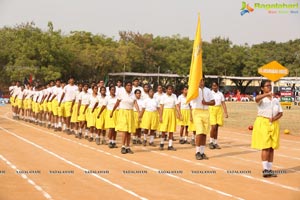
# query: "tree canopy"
{"type": "Point", "coordinates": [50, 54]}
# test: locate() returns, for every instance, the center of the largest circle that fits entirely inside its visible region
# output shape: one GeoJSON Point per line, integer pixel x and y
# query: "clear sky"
{"type": "Point", "coordinates": [159, 17]}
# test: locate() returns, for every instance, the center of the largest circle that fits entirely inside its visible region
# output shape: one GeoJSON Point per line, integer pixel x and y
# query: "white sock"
{"type": "Point", "coordinates": [185, 138]}
{"type": "Point", "coordinates": [80, 130]}
{"type": "Point", "coordinates": [265, 164]}
{"type": "Point", "coordinates": [202, 149]}
{"type": "Point", "coordinates": [145, 136]}
{"type": "Point", "coordinates": [91, 135]}
{"type": "Point", "coordinates": [211, 140]}
{"type": "Point", "coordinates": [197, 149]}
{"type": "Point", "coordinates": [170, 143]}
{"type": "Point", "coordinates": [215, 141]}
{"type": "Point", "coordinates": [270, 164]}
{"type": "Point", "coordinates": [64, 126]}
{"type": "Point", "coordinates": [97, 136]}
{"type": "Point", "coordinates": [162, 140]}
{"type": "Point", "coordinates": [110, 141]}
{"type": "Point", "coordinates": [151, 138]}
{"type": "Point", "coordinates": [114, 141]}
{"type": "Point", "coordinates": [193, 136]}
{"type": "Point", "coordinates": [59, 124]}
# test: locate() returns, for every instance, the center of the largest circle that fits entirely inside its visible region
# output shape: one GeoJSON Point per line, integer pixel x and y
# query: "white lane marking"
{"type": "Point", "coordinates": [46, 195]}
{"type": "Point", "coordinates": [73, 164]}
{"type": "Point", "coordinates": [186, 160]}
{"type": "Point", "coordinates": [243, 175]}
{"type": "Point", "coordinates": [119, 158]}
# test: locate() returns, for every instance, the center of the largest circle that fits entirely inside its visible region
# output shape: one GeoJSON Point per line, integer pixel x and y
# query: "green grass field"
{"type": "Point", "coordinates": [242, 114]}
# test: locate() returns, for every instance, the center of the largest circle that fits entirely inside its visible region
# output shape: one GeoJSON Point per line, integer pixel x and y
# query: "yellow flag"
{"type": "Point", "coordinates": [196, 66]}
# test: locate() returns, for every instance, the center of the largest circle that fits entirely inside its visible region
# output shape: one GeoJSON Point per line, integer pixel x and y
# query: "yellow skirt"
{"type": "Point", "coordinates": [36, 107]}
{"type": "Point", "coordinates": [111, 122]}
{"type": "Point", "coordinates": [55, 107]}
{"type": "Point", "coordinates": [191, 127]}
{"type": "Point", "coordinates": [61, 110]}
{"type": "Point", "coordinates": [215, 115]}
{"type": "Point", "coordinates": [82, 117]}
{"type": "Point", "coordinates": [201, 121]}
{"type": "Point", "coordinates": [91, 117]}
{"type": "Point", "coordinates": [100, 122]}
{"type": "Point", "coordinates": [264, 134]}
{"type": "Point", "coordinates": [67, 109]}
{"type": "Point", "coordinates": [185, 118]}
{"type": "Point", "coordinates": [29, 104]}
{"type": "Point", "coordinates": [74, 117]}
{"type": "Point", "coordinates": [11, 100]}
{"type": "Point", "coordinates": [125, 121]}
{"type": "Point", "coordinates": [49, 106]}
{"type": "Point", "coordinates": [150, 120]}
{"type": "Point", "coordinates": [168, 120]}
{"type": "Point", "coordinates": [137, 123]}
{"type": "Point", "coordinates": [45, 106]}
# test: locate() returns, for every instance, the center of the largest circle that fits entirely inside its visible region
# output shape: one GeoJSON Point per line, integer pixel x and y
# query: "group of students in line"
{"type": "Point", "coordinates": [92, 111]}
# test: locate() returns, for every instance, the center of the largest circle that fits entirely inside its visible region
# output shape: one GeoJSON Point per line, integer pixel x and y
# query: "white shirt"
{"type": "Point", "coordinates": [59, 91]}
{"type": "Point", "coordinates": [90, 91]}
{"type": "Point", "coordinates": [140, 103]}
{"type": "Point", "coordinates": [265, 107]}
{"type": "Point", "coordinates": [218, 96]}
{"type": "Point", "coordinates": [16, 91]}
{"type": "Point", "coordinates": [151, 105]}
{"type": "Point", "coordinates": [110, 102]}
{"type": "Point", "coordinates": [119, 89]}
{"type": "Point", "coordinates": [169, 101]}
{"type": "Point", "coordinates": [11, 89]}
{"type": "Point", "coordinates": [84, 97]}
{"type": "Point", "coordinates": [197, 103]}
{"type": "Point", "coordinates": [158, 96]}
{"type": "Point", "coordinates": [92, 101]}
{"type": "Point", "coordinates": [102, 101]}
{"type": "Point", "coordinates": [77, 96]}
{"type": "Point", "coordinates": [70, 92]}
{"type": "Point", "coordinates": [144, 96]}
{"type": "Point", "coordinates": [28, 93]}
{"type": "Point", "coordinates": [35, 95]}
{"type": "Point", "coordinates": [182, 101]}
{"type": "Point", "coordinates": [41, 95]}
{"type": "Point", "coordinates": [20, 94]}
{"type": "Point", "coordinates": [55, 91]}
{"type": "Point", "coordinates": [127, 100]}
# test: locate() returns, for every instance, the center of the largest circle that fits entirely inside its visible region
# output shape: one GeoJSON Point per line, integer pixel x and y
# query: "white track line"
{"type": "Point", "coordinates": [186, 160]}
{"type": "Point", "coordinates": [73, 164]}
{"type": "Point", "coordinates": [221, 169]}
{"type": "Point", "coordinates": [31, 182]}
{"type": "Point", "coordinates": [119, 158]}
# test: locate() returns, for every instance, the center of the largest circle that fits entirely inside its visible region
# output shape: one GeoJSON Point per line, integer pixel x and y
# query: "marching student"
{"type": "Point", "coordinates": [68, 96]}
{"type": "Point", "coordinates": [53, 99]}
{"type": "Point", "coordinates": [75, 110]}
{"type": "Point", "coordinates": [61, 107]}
{"type": "Point", "coordinates": [15, 93]}
{"type": "Point", "coordinates": [125, 121]}
{"type": "Point", "coordinates": [136, 85]}
{"type": "Point", "coordinates": [91, 112]}
{"type": "Point", "coordinates": [149, 115]}
{"type": "Point", "coordinates": [145, 91]}
{"type": "Point", "coordinates": [110, 122]}
{"type": "Point", "coordinates": [200, 117]}
{"type": "Point", "coordinates": [101, 113]}
{"type": "Point", "coordinates": [137, 122]}
{"type": "Point", "coordinates": [20, 102]}
{"type": "Point", "coordinates": [119, 87]}
{"type": "Point", "coordinates": [168, 113]}
{"type": "Point", "coordinates": [35, 105]}
{"type": "Point", "coordinates": [158, 96]}
{"type": "Point", "coordinates": [216, 115]}
{"type": "Point", "coordinates": [185, 116]}
{"type": "Point", "coordinates": [28, 103]}
{"type": "Point", "coordinates": [83, 103]}
{"type": "Point", "coordinates": [49, 112]}
{"type": "Point", "coordinates": [11, 98]}
{"type": "Point", "coordinates": [266, 129]}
